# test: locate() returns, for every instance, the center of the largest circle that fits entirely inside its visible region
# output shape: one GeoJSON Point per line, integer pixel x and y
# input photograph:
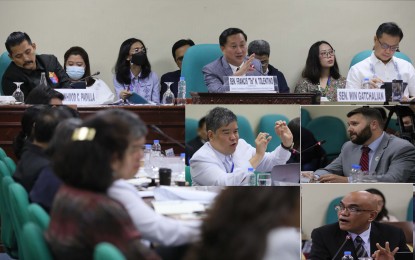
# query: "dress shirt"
{"type": "Point", "coordinates": [148, 88]}
{"type": "Point", "coordinates": [208, 169]}
{"type": "Point", "coordinates": [372, 67]}
{"type": "Point", "coordinates": [152, 226]}
{"type": "Point", "coordinates": [365, 237]}
{"type": "Point", "coordinates": [103, 93]}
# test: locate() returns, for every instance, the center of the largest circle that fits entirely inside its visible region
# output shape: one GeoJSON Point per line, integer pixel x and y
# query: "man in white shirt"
{"type": "Point", "coordinates": [224, 160]}
{"type": "Point", "coordinates": [382, 66]}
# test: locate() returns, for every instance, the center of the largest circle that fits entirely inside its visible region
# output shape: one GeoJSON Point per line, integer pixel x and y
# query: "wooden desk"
{"type": "Point", "coordinates": [255, 98]}
{"type": "Point", "coordinates": [407, 228]}
{"type": "Point", "coordinates": [170, 119]}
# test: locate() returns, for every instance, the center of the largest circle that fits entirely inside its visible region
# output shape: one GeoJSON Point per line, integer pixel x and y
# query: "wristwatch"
{"type": "Point", "coordinates": [289, 148]}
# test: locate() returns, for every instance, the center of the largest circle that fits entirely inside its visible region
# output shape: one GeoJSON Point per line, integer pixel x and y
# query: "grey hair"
{"type": "Point", "coordinates": [218, 117]}
{"type": "Point", "coordinates": [259, 47]}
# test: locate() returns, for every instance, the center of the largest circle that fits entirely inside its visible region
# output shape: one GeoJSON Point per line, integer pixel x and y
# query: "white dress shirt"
{"type": "Point", "coordinates": [207, 165]}
{"type": "Point", "coordinates": [152, 226]}
{"type": "Point", "coordinates": [103, 92]}
{"type": "Point", "coordinates": [372, 67]}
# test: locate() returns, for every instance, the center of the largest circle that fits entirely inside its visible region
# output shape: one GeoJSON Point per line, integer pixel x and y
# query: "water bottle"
{"type": "Point", "coordinates": [156, 149]}
{"type": "Point", "coordinates": [43, 83]}
{"type": "Point", "coordinates": [251, 177]}
{"type": "Point", "coordinates": [347, 255]}
{"type": "Point", "coordinates": [147, 159]}
{"type": "Point", "coordinates": [181, 92]}
{"type": "Point", "coordinates": [355, 173]}
{"type": "Point", "coordinates": [366, 84]}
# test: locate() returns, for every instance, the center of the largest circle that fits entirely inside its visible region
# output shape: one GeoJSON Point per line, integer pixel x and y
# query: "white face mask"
{"type": "Point", "coordinates": [75, 72]}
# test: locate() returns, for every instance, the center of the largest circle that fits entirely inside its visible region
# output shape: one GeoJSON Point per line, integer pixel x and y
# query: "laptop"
{"type": "Point", "coordinates": [286, 174]}
{"type": "Point", "coordinates": [404, 256]}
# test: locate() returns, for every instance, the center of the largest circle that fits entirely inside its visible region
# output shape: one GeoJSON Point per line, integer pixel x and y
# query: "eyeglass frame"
{"type": "Point", "coordinates": [385, 46]}
{"type": "Point", "coordinates": [356, 210]}
{"type": "Point", "coordinates": [138, 50]}
{"type": "Point", "coordinates": [328, 53]}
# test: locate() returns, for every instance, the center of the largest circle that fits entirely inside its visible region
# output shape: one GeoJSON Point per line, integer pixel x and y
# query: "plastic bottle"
{"type": "Point", "coordinates": [147, 159]}
{"type": "Point", "coordinates": [43, 83]}
{"type": "Point", "coordinates": [181, 92]}
{"type": "Point", "coordinates": [156, 148]}
{"type": "Point", "coordinates": [355, 173]}
{"type": "Point", "coordinates": [251, 177]}
{"type": "Point", "coordinates": [365, 83]}
{"type": "Point", "coordinates": [347, 255]}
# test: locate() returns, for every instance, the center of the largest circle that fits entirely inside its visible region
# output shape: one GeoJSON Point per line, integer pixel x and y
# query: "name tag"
{"type": "Point", "coordinates": [361, 95]}
{"type": "Point", "coordinates": [78, 96]}
{"type": "Point", "coordinates": [251, 84]}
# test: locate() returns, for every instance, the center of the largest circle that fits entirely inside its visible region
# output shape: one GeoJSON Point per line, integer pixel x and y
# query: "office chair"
{"type": "Point", "coordinates": [35, 246]}
{"type": "Point", "coordinates": [331, 214]}
{"type": "Point", "coordinates": [267, 124]}
{"type": "Point", "coordinates": [38, 216]}
{"type": "Point", "coordinates": [107, 251]}
{"type": "Point", "coordinates": [191, 126]}
{"type": "Point", "coordinates": [8, 235]}
{"type": "Point", "coordinates": [365, 54]}
{"type": "Point", "coordinates": [245, 130]}
{"type": "Point", "coordinates": [4, 63]}
{"type": "Point", "coordinates": [305, 117]}
{"type": "Point", "coordinates": [195, 59]}
{"type": "Point", "coordinates": [410, 212]}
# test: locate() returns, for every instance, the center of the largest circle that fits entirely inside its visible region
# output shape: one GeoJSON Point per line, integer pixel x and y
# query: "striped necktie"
{"type": "Point", "coordinates": [360, 250]}
{"type": "Point", "coordinates": [364, 159]}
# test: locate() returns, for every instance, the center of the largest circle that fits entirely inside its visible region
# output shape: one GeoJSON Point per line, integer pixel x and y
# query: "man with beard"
{"type": "Point", "coordinates": [27, 67]}
{"type": "Point", "coordinates": [388, 158]}
{"type": "Point", "coordinates": [357, 232]}
{"type": "Point", "coordinates": [224, 160]}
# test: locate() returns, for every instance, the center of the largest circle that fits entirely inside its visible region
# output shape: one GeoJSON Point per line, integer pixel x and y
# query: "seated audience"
{"type": "Point", "coordinates": [27, 66]}
{"type": "Point", "coordinates": [234, 61]}
{"type": "Point", "coordinates": [389, 158]}
{"type": "Point", "coordinates": [382, 66]}
{"type": "Point", "coordinates": [47, 184]}
{"type": "Point", "coordinates": [224, 160]}
{"type": "Point", "coordinates": [77, 66]}
{"type": "Point", "coordinates": [383, 213]}
{"type": "Point", "coordinates": [262, 52]}
{"type": "Point", "coordinates": [82, 214]}
{"type": "Point", "coordinates": [251, 223]}
{"type": "Point", "coordinates": [193, 145]}
{"type": "Point", "coordinates": [178, 50]}
{"type": "Point", "coordinates": [44, 96]}
{"type": "Point", "coordinates": [321, 72]}
{"type": "Point", "coordinates": [133, 72]}
{"type": "Point", "coordinates": [357, 230]}
{"type": "Point", "coordinates": [33, 158]}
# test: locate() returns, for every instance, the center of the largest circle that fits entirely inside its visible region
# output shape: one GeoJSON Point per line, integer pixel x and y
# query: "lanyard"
{"type": "Point", "coordinates": [395, 66]}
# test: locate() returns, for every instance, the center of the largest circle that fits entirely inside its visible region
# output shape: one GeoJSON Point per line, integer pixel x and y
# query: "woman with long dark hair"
{"type": "Point", "coordinates": [133, 72]}
{"type": "Point", "coordinates": [321, 72]}
{"type": "Point", "coordinates": [383, 213]}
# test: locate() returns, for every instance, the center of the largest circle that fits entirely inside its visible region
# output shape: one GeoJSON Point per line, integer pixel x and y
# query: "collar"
{"type": "Point", "coordinates": [365, 235]}
{"type": "Point", "coordinates": [235, 67]}
{"type": "Point", "coordinates": [224, 158]}
{"type": "Point", "coordinates": [375, 60]}
{"type": "Point", "coordinates": [375, 144]}
{"type": "Point", "coordinates": [134, 77]}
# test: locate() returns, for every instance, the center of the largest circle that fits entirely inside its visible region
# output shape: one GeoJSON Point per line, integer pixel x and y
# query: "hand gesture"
{"type": "Point", "coordinates": [282, 130]}
{"type": "Point", "coordinates": [384, 253]}
{"type": "Point", "coordinates": [124, 94]}
{"type": "Point", "coordinates": [248, 66]}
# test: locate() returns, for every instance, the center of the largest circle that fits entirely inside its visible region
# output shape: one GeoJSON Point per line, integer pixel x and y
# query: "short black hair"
{"type": "Point", "coordinates": [228, 32]}
{"type": "Point", "coordinates": [16, 38]}
{"type": "Point", "coordinates": [370, 113]}
{"type": "Point", "coordinates": [40, 95]}
{"type": "Point", "coordinates": [389, 28]}
{"type": "Point", "coordinates": [47, 120]}
{"type": "Point", "coordinates": [202, 121]}
{"type": "Point", "coordinates": [180, 43]}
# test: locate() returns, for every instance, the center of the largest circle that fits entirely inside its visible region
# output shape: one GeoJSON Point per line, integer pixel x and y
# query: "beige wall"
{"type": "Point", "coordinates": [252, 112]}
{"type": "Point", "coordinates": [316, 198]}
{"type": "Point", "coordinates": [291, 26]}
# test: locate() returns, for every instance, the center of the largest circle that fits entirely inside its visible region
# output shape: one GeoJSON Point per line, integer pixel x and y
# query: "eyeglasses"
{"type": "Point", "coordinates": [352, 209]}
{"type": "Point", "coordinates": [386, 46]}
{"type": "Point", "coordinates": [327, 53]}
{"type": "Point", "coordinates": [137, 50]}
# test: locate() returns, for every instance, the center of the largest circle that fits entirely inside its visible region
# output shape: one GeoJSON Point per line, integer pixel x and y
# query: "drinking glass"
{"type": "Point", "coordinates": [168, 96]}
{"type": "Point", "coordinates": [264, 179]}
{"type": "Point", "coordinates": [18, 94]}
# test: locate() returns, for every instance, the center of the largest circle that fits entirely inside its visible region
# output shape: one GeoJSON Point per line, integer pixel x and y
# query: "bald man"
{"type": "Point", "coordinates": [356, 231]}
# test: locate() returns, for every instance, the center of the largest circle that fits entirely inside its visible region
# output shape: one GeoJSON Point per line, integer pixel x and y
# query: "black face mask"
{"type": "Point", "coordinates": [408, 129]}
{"type": "Point", "coordinates": [139, 58]}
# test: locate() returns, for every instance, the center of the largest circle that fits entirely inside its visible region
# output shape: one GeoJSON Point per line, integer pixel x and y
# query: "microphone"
{"type": "Point", "coordinates": [90, 76]}
{"type": "Point", "coordinates": [308, 148]}
{"type": "Point", "coordinates": [158, 130]}
{"type": "Point", "coordinates": [348, 237]}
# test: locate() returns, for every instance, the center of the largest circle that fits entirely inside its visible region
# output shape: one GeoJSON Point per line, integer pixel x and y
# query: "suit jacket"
{"type": "Point", "coordinates": [393, 161]}
{"type": "Point", "coordinates": [282, 83]}
{"type": "Point", "coordinates": [328, 239]}
{"type": "Point", "coordinates": [216, 70]}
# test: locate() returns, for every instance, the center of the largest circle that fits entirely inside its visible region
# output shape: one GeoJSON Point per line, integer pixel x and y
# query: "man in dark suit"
{"type": "Point", "coordinates": [262, 50]}
{"type": "Point", "coordinates": [356, 231]}
{"type": "Point", "coordinates": [234, 62]}
{"type": "Point", "coordinates": [193, 145]}
{"type": "Point", "coordinates": [178, 50]}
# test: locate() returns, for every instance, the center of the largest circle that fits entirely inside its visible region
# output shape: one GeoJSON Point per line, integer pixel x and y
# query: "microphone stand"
{"type": "Point", "coordinates": [159, 131]}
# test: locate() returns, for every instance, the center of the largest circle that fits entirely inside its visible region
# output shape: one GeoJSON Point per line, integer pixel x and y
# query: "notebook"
{"type": "Point", "coordinates": [286, 173]}
{"type": "Point", "coordinates": [137, 99]}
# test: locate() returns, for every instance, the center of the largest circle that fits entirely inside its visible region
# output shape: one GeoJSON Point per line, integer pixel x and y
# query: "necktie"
{"type": "Point", "coordinates": [228, 164]}
{"type": "Point", "coordinates": [364, 159]}
{"type": "Point", "coordinates": [360, 250]}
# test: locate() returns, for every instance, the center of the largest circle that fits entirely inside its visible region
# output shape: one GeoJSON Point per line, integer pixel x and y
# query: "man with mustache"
{"type": "Point", "coordinates": [356, 231]}
{"type": "Point", "coordinates": [27, 67]}
{"type": "Point", "coordinates": [224, 160]}
{"type": "Point", "coordinates": [382, 66]}
{"type": "Point", "coordinates": [390, 158]}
